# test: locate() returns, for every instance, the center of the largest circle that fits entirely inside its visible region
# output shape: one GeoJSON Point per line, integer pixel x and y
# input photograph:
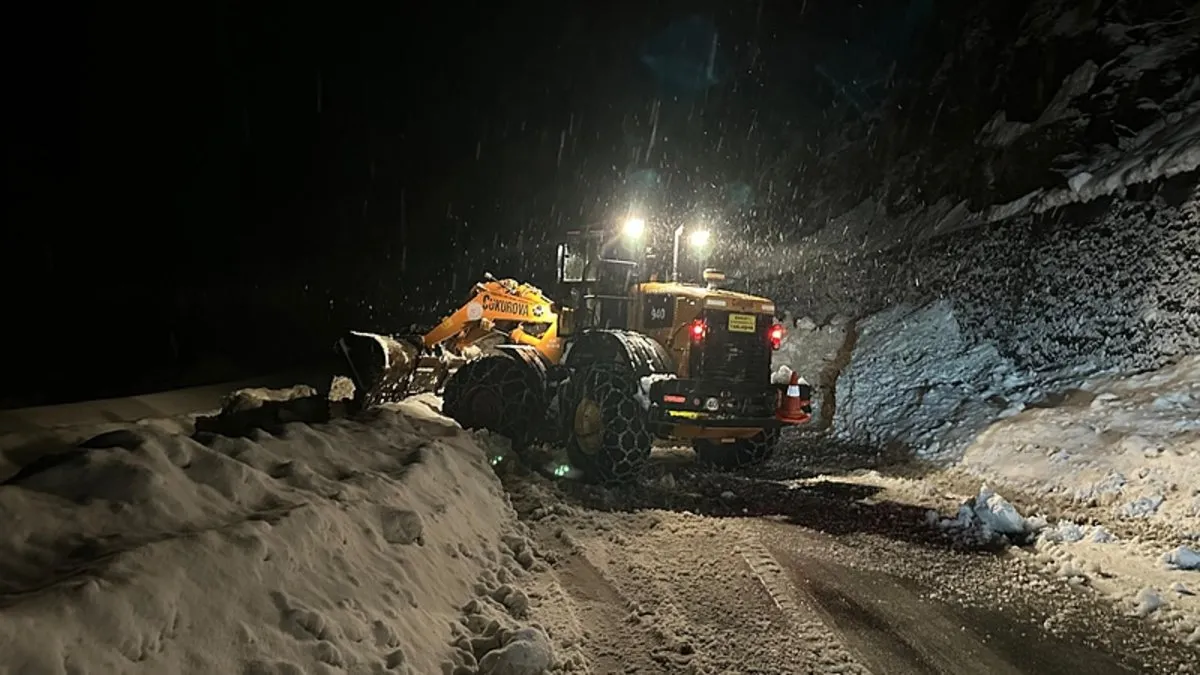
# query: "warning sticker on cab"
{"type": "Point", "coordinates": [742, 323]}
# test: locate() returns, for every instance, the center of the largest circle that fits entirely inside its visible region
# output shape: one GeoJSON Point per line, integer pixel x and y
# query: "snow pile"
{"type": "Point", "coordinates": [1128, 446]}
{"type": "Point", "coordinates": [1121, 450]}
{"type": "Point", "coordinates": [1131, 571]}
{"type": "Point", "coordinates": [248, 410]}
{"type": "Point", "coordinates": [493, 636]}
{"type": "Point", "coordinates": [348, 546]}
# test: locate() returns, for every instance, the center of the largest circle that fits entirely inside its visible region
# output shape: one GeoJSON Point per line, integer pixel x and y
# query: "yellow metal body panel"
{"type": "Point", "coordinates": [526, 316]}
{"type": "Point", "coordinates": [733, 300]}
{"type": "Point", "coordinates": [690, 302]}
{"type": "Point", "coordinates": [528, 313]}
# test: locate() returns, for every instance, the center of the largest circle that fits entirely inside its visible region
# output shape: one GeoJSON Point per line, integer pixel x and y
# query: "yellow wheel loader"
{"type": "Point", "coordinates": [623, 362]}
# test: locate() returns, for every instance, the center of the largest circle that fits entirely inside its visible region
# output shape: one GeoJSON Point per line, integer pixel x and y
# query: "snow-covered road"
{"type": "Point", "coordinates": [388, 544]}
{"type": "Point", "coordinates": [700, 572]}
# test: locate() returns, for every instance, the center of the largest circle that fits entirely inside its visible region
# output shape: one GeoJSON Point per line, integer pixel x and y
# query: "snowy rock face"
{"type": "Point", "coordinates": [914, 378]}
{"type": "Point", "coordinates": [1016, 111]}
{"type": "Point", "coordinates": [1109, 285]}
{"type": "Point", "coordinates": [1003, 310]}
{"type": "Point", "coordinates": [1003, 250]}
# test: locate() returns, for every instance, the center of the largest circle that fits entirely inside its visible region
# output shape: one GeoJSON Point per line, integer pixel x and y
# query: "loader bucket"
{"type": "Point", "coordinates": [381, 366]}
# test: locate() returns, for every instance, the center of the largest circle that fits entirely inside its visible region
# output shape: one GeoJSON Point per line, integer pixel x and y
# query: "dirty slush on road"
{"type": "Point", "coordinates": [396, 541]}
{"type": "Point", "coordinates": [695, 572]}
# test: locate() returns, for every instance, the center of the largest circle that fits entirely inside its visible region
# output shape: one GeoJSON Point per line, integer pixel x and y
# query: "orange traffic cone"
{"type": "Point", "coordinates": [792, 406]}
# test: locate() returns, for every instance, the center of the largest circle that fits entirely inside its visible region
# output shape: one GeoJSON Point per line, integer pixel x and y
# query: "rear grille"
{"type": "Point", "coordinates": [736, 357]}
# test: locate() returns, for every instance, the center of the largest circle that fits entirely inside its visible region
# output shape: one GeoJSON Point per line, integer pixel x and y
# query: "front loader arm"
{"type": "Point", "coordinates": [494, 302]}
{"type": "Point", "coordinates": [385, 368]}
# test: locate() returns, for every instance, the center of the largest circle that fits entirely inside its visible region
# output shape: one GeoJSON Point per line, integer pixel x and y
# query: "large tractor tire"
{"type": "Point", "coordinates": [742, 453]}
{"type": "Point", "coordinates": [607, 431]}
{"type": "Point", "coordinates": [499, 393]}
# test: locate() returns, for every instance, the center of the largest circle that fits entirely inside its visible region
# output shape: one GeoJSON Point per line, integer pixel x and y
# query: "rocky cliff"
{"type": "Point", "coordinates": [1028, 218]}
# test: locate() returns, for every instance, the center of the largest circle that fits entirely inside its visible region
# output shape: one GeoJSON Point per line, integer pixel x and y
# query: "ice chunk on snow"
{"type": "Point", "coordinates": [1064, 531]}
{"type": "Point", "coordinates": [643, 393]}
{"type": "Point", "coordinates": [1183, 558]}
{"type": "Point", "coordinates": [1079, 180]}
{"type": "Point", "coordinates": [784, 376]}
{"type": "Point", "coordinates": [999, 514]}
{"type": "Point", "coordinates": [989, 516]}
{"type": "Point", "coordinates": [1112, 484]}
{"type": "Point", "coordinates": [1148, 602]}
{"type": "Point", "coordinates": [1142, 507]}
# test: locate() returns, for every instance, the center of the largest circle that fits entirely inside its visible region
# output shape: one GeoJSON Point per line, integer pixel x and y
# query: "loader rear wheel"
{"type": "Point", "coordinates": [742, 453]}
{"type": "Point", "coordinates": [497, 393]}
{"type": "Point", "coordinates": [608, 436]}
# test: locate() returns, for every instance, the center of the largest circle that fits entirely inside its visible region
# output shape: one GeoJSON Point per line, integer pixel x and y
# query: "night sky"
{"type": "Point", "coordinates": [206, 188]}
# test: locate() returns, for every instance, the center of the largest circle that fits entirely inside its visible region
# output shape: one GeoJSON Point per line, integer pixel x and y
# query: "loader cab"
{"type": "Point", "coordinates": [597, 276]}
{"type": "Point", "coordinates": [709, 331]}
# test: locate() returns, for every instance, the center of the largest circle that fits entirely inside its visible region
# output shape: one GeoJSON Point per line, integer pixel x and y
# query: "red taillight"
{"type": "Point", "coordinates": [699, 328]}
{"type": "Point", "coordinates": [776, 336]}
{"type": "Point", "coordinates": [674, 398]}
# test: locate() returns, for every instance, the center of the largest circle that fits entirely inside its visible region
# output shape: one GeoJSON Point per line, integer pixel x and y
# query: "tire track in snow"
{"type": "Point", "coordinates": [893, 626]}
{"type": "Point", "coordinates": [671, 593]}
{"type": "Point", "coordinates": [616, 642]}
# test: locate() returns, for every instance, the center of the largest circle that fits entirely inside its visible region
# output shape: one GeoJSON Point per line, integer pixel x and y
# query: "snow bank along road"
{"type": "Point", "coordinates": [280, 540]}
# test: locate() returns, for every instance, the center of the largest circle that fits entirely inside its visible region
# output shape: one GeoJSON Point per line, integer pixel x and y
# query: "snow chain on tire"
{"type": "Point", "coordinates": [616, 447]}
{"type": "Point", "coordinates": [496, 393]}
{"type": "Point", "coordinates": [742, 453]}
